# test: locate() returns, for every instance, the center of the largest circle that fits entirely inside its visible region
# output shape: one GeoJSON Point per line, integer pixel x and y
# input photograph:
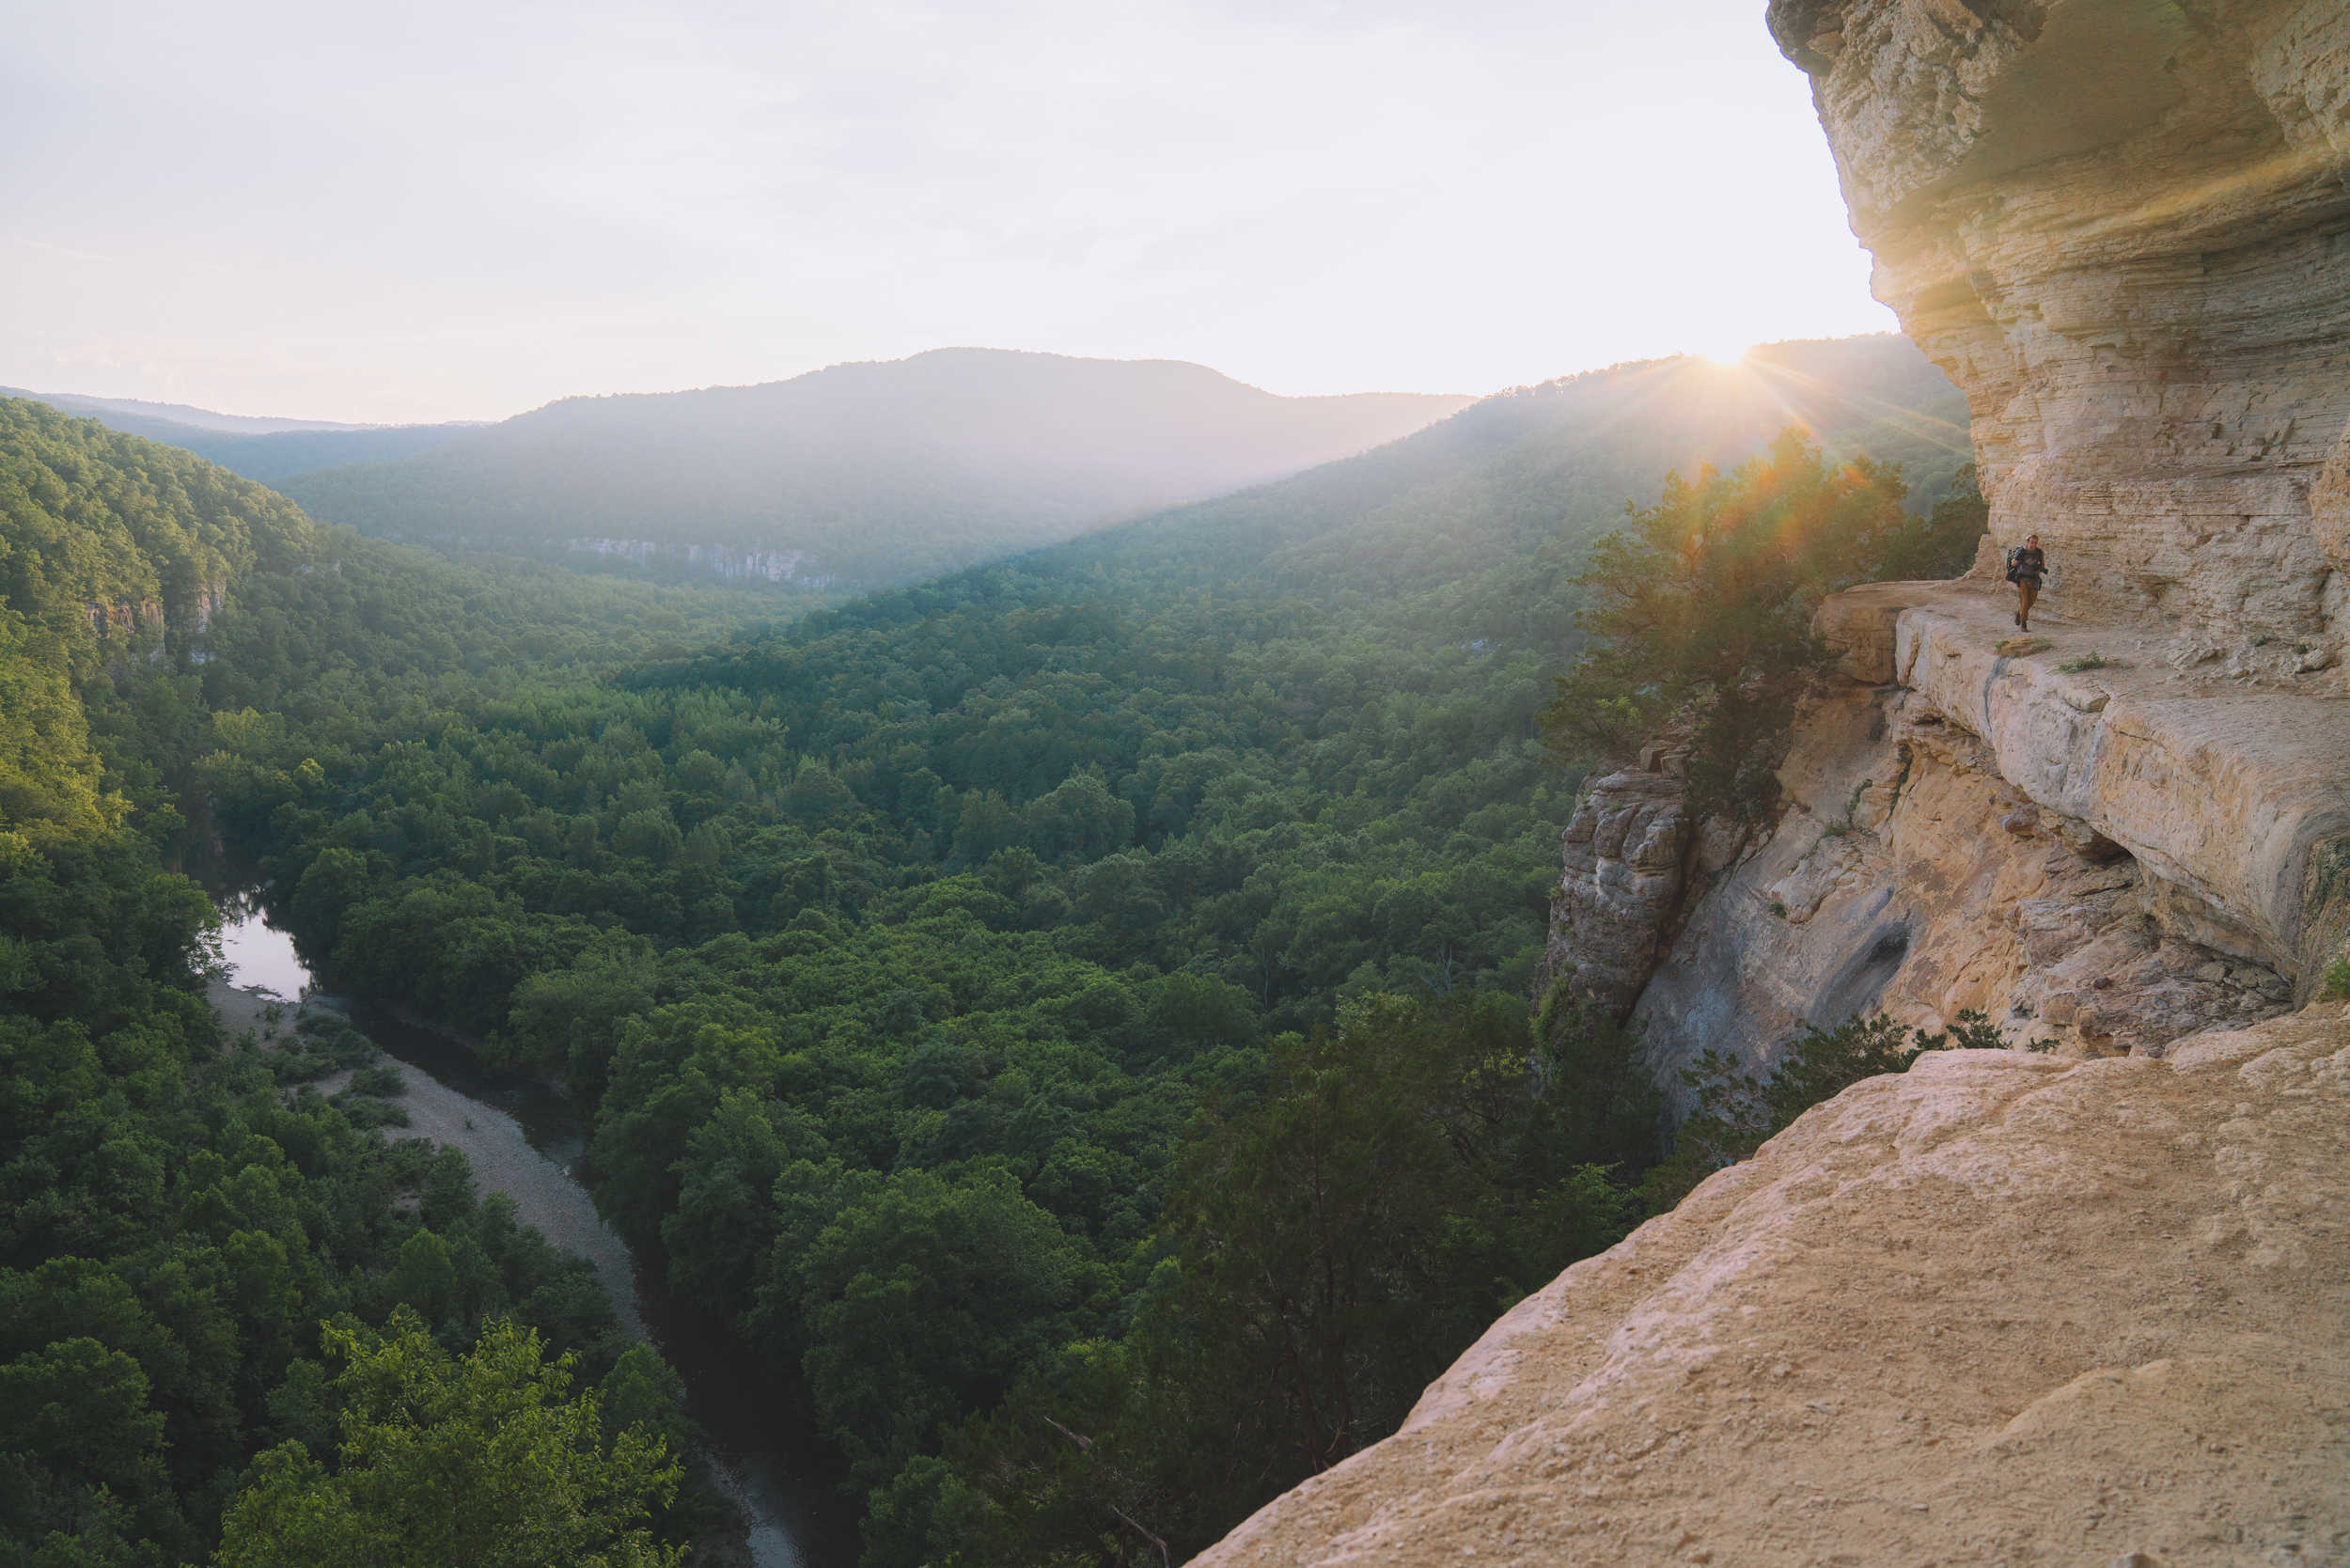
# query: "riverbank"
{"type": "Point", "coordinates": [493, 1141]}
{"type": "Point", "coordinates": [521, 1139]}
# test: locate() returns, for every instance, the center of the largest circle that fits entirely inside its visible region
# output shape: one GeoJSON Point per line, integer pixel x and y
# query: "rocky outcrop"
{"type": "Point", "coordinates": [1999, 1309]}
{"type": "Point", "coordinates": [2091, 860]}
{"type": "Point", "coordinates": [125, 617]}
{"type": "Point", "coordinates": [2099, 852]}
{"type": "Point", "coordinates": [2228, 780]}
{"type": "Point", "coordinates": [2123, 229]}
{"type": "Point", "coordinates": [1620, 900]}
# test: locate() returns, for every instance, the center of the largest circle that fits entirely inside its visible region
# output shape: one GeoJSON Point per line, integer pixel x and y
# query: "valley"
{"type": "Point", "coordinates": [1003, 958]}
{"type": "Point", "coordinates": [908, 962]}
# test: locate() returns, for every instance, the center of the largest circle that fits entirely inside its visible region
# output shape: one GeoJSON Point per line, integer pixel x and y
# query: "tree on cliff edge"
{"type": "Point", "coordinates": [1702, 605]}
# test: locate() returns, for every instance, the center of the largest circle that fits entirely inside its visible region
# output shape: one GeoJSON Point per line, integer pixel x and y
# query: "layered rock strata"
{"type": "Point", "coordinates": [2100, 861]}
{"type": "Point", "coordinates": [1998, 1309]}
{"type": "Point", "coordinates": [1626, 877]}
{"type": "Point", "coordinates": [2230, 780]}
{"type": "Point", "coordinates": [2124, 231]}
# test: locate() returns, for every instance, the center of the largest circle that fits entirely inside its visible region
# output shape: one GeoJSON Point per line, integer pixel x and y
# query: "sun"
{"type": "Point", "coordinates": [1729, 354]}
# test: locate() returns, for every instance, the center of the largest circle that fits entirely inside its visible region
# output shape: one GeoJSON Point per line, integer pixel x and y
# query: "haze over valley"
{"type": "Point", "coordinates": [1448, 867]}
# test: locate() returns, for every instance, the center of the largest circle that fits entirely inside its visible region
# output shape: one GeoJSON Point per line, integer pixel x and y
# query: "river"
{"type": "Point", "coordinates": [524, 1141]}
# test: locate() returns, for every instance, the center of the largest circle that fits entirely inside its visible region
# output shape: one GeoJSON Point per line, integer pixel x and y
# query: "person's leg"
{"type": "Point", "coordinates": [2027, 592]}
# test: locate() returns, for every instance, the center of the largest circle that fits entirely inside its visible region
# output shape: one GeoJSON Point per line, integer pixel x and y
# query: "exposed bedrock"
{"type": "Point", "coordinates": [1626, 863]}
{"type": "Point", "coordinates": [2123, 229]}
{"type": "Point", "coordinates": [2108, 860]}
{"type": "Point", "coordinates": [2082, 1305]}
{"type": "Point", "coordinates": [1998, 1309]}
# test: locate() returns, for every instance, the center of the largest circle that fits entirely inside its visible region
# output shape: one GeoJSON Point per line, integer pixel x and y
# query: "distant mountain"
{"type": "Point", "coordinates": [1549, 467]}
{"type": "Point", "coordinates": [862, 474]}
{"type": "Point", "coordinates": [252, 448]}
{"type": "Point", "coordinates": [180, 414]}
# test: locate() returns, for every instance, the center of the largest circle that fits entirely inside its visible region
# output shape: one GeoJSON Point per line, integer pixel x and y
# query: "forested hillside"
{"type": "Point", "coordinates": [1093, 987]}
{"type": "Point", "coordinates": [180, 1212]}
{"type": "Point", "coordinates": [866, 474]}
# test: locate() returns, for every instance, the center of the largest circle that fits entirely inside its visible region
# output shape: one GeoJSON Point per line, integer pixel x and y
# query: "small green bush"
{"type": "Point", "coordinates": [365, 1113]}
{"type": "Point", "coordinates": [2091, 660]}
{"type": "Point", "coordinates": [2337, 980]}
{"type": "Point", "coordinates": [383, 1082]}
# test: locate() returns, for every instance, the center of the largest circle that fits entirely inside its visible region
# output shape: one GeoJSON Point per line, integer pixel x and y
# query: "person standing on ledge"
{"type": "Point", "coordinates": [2026, 567]}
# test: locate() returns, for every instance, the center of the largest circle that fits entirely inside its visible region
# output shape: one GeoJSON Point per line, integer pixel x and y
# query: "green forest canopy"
{"type": "Point", "coordinates": [926, 966]}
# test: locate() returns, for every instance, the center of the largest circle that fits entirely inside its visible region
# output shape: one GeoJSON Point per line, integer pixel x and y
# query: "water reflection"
{"type": "Point", "coordinates": [259, 957]}
{"type": "Point", "coordinates": [523, 1140]}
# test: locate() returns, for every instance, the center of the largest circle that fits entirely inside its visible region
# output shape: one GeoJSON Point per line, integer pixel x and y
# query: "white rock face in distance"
{"type": "Point", "coordinates": [2124, 231]}
{"type": "Point", "coordinates": [2000, 1309]}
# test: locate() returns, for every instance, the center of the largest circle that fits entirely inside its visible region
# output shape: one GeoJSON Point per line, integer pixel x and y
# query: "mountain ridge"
{"type": "Point", "coordinates": [261, 455]}
{"type": "Point", "coordinates": [874, 471]}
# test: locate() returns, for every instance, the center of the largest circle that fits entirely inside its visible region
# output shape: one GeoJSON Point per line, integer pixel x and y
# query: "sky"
{"type": "Point", "coordinates": [438, 211]}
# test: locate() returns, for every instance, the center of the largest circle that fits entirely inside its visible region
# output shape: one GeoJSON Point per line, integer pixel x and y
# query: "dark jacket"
{"type": "Point", "coordinates": [2026, 564]}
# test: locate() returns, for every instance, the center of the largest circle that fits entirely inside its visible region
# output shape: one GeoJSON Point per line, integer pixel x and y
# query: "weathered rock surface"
{"type": "Point", "coordinates": [2228, 779]}
{"type": "Point", "coordinates": [1998, 1309]}
{"type": "Point", "coordinates": [2109, 860]}
{"type": "Point", "coordinates": [2123, 229]}
{"type": "Point", "coordinates": [1619, 902]}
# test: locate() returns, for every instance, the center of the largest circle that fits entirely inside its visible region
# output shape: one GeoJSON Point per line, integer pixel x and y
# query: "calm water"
{"type": "Point", "coordinates": [525, 1140]}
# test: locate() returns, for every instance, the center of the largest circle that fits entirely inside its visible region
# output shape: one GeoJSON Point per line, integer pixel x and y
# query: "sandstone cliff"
{"type": "Point", "coordinates": [1998, 1310]}
{"type": "Point", "coordinates": [2124, 231]}
{"type": "Point", "coordinates": [2084, 1299]}
{"type": "Point", "coordinates": [2106, 860]}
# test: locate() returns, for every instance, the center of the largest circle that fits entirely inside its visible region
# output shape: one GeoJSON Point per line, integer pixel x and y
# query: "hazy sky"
{"type": "Point", "coordinates": [430, 211]}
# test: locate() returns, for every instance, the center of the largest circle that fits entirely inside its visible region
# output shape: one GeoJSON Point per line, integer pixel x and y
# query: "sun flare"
{"type": "Point", "coordinates": [1728, 354]}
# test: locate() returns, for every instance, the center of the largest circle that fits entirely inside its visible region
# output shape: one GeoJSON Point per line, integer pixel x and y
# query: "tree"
{"type": "Point", "coordinates": [1703, 604]}
{"type": "Point", "coordinates": [1944, 543]}
{"type": "Point", "coordinates": [1606, 1106]}
{"type": "Point", "coordinates": [80, 1411]}
{"type": "Point", "coordinates": [1349, 1234]}
{"type": "Point", "coordinates": [1738, 1112]}
{"type": "Point", "coordinates": [924, 1301]}
{"type": "Point", "coordinates": [480, 1460]}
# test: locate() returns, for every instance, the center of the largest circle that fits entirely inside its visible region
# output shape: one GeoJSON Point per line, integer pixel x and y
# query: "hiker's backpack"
{"type": "Point", "coordinates": [2013, 555]}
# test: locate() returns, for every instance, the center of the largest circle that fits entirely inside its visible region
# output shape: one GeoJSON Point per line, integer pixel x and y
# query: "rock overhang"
{"type": "Point", "coordinates": [2122, 227]}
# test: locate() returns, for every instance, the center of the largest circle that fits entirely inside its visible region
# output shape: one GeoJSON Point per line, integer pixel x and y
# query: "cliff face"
{"type": "Point", "coordinates": [2069, 1305]}
{"type": "Point", "coordinates": [2121, 228]}
{"type": "Point", "coordinates": [2124, 231]}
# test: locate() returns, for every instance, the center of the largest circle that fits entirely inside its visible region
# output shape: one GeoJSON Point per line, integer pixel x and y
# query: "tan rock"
{"type": "Point", "coordinates": [1927, 906]}
{"type": "Point", "coordinates": [1627, 872]}
{"type": "Point", "coordinates": [2007, 1308]}
{"type": "Point", "coordinates": [2230, 784]}
{"type": "Point", "coordinates": [2123, 229]}
{"type": "Point", "coordinates": [1997, 1310]}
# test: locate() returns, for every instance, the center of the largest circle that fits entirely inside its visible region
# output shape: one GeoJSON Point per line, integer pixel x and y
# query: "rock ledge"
{"type": "Point", "coordinates": [2000, 1309]}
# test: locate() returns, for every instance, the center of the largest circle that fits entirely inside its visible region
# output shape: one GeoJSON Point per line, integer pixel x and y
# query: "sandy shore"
{"type": "Point", "coordinates": [502, 1159]}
